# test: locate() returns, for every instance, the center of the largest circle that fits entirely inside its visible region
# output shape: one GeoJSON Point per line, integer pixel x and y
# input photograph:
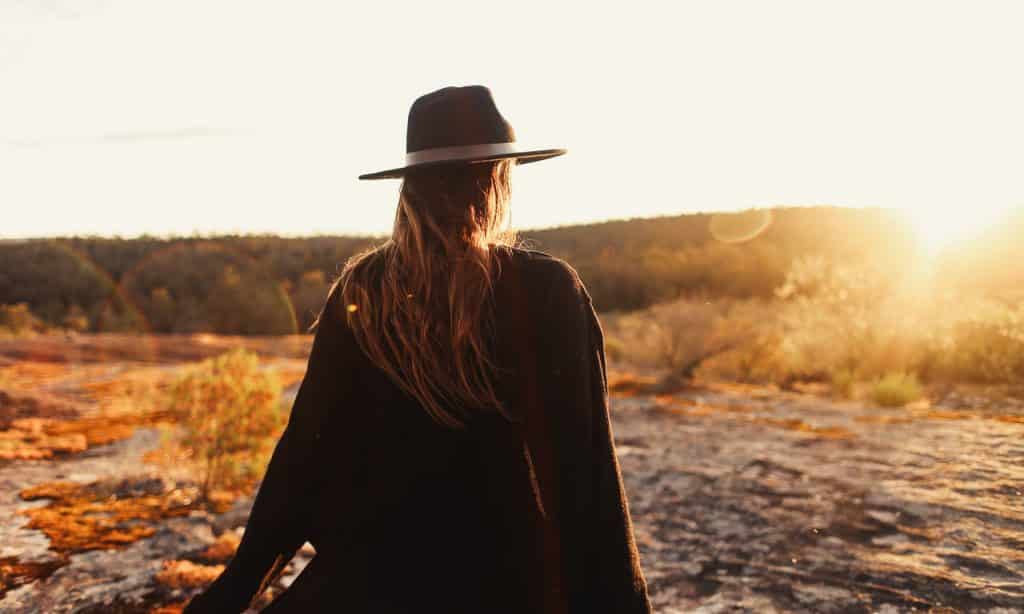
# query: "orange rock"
{"type": "Point", "coordinates": [81, 518]}
{"type": "Point", "coordinates": [186, 574]}
{"type": "Point", "coordinates": [221, 550]}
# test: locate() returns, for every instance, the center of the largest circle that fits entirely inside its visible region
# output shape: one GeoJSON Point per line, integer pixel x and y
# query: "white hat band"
{"type": "Point", "coordinates": [459, 152]}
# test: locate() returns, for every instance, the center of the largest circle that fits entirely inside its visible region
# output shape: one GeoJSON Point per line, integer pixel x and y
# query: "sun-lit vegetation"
{"type": "Point", "coordinates": [229, 412]}
{"type": "Point", "coordinates": [272, 285]}
{"type": "Point", "coordinates": [230, 285]}
{"type": "Point", "coordinates": [18, 319]}
{"type": "Point", "coordinates": [843, 384]}
{"type": "Point", "coordinates": [842, 296]}
{"type": "Point", "coordinates": [896, 390]}
{"type": "Point", "coordinates": [840, 324]}
{"type": "Point", "coordinates": [729, 331]}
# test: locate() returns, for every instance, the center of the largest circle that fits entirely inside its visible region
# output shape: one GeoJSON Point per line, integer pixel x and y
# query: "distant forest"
{"type": "Point", "coordinates": [258, 284]}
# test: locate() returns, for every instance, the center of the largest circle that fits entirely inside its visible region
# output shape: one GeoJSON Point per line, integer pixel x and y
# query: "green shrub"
{"type": "Point", "coordinates": [229, 411]}
{"type": "Point", "coordinates": [843, 382]}
{"type": "Point", "coordinates": [896, 390]}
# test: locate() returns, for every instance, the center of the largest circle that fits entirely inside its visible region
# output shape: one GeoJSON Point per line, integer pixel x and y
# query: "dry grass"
{"type": "Point", "coordinates": [896, 390]}
{"type": "Point", "coordinates": [839, 325]}
{"type": "Point", "coordinates": [625, 384]}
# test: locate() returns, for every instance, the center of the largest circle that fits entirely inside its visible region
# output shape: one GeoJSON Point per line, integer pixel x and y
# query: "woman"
{"type": "Point", "coordinates": [449, 449]}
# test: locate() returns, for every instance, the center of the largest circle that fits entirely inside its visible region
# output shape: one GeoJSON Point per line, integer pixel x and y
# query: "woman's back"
{"type": "Point", "coordinates": [450, 446]}
{"type": "Point", "coordinates": [407, 515]}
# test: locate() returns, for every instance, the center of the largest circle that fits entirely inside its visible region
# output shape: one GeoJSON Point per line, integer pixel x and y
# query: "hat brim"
{"type": "Point", "coordinates": [521, 157]}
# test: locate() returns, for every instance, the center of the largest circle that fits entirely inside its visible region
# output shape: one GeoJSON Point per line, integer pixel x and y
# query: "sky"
{"type": "Point", "coordinates": [123, 117]}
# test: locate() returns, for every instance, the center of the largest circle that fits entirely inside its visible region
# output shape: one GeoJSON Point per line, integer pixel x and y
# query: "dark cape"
{"type": "Point", "coordinates": [408, 516]}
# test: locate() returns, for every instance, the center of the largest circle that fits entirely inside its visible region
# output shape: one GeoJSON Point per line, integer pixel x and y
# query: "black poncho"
{"type": "Point", "coordinates": [408, 516]}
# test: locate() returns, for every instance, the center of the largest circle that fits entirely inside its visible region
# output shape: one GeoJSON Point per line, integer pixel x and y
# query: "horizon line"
{"type": "Point", "coordinates": [357, 235]}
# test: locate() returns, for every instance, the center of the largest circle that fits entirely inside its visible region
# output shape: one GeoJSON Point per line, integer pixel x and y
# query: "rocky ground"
{"type": "Point", "coordinates": [750, 499]}
{"type": "Point", "coordinates": [744, 500]}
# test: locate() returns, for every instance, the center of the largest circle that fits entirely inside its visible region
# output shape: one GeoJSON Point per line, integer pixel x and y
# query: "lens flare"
{"type": "Point", "coordinates": [741, 226]}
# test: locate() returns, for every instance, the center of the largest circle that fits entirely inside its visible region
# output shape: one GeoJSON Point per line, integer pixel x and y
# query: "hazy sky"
{"type": "Point", "coordinates": [131, 116]}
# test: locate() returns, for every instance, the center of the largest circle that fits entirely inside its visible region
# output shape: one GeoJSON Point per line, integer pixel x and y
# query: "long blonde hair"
{"type": "Point", "coordinates": [418, 304]}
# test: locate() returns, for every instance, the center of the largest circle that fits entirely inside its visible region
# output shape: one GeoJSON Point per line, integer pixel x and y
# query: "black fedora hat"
{"type": "Point", "coordinates": [459, 125]}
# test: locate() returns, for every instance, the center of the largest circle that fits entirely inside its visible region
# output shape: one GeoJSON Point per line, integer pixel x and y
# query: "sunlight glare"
{"type": "Point", "coordinates": [939, 227]}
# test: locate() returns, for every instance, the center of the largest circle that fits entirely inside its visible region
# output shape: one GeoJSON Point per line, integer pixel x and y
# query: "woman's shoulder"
{"type": "Point", "coordinates": [549, 272]}
{"type": "Point", "coordinates": [542, 261]}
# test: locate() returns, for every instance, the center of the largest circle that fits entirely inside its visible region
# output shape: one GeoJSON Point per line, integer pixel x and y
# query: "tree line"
{"type": "Point", "coordinates": [265, 284]}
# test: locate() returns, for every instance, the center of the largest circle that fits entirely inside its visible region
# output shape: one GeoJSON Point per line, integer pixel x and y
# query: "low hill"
{"type": "Point", "coordinates": [264, 284]}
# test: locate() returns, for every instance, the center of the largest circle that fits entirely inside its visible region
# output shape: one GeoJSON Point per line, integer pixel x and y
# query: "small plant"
{"type": "Point", "coordinates": [18, 319]}
{"type": "Point", "coordinates": [843, 382]}
{"type": "Point", "coordinates": [229, 412]}
{"type": "Point", "coordinates": [896, 390]}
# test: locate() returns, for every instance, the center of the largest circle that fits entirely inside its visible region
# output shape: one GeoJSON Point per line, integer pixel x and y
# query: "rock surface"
{"type": "Point", "coordinates": [754, 500]}
{"type": "Point", "coordinates": [743, 499]}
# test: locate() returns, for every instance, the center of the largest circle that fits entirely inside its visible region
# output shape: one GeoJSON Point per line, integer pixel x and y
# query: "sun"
{"type": "Point", "coordinates": [939, 227]}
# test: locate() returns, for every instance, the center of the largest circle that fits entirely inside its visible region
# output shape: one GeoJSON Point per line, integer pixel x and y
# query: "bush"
{"type": "Point", "coordinates": [989, 347]}
{"type": "Point", "coordinates": [18, 319]}
{"type": "Point", "coordinates": [754, 344]}
{"type": "Point", "coordinates": [896, 390]}
{"type": "Point", "coordinates": [229, 412]}
{"type": "Point", "coordinates": [832, 323]}
{"type": "Point", "coordinates": [680, 335]}
{"type": "Point", "coordinates": [75, 319]}
{"type": "Point", "coordinates": [843, 382]}
{"type": "Point", "coordinates": [832, 318]}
